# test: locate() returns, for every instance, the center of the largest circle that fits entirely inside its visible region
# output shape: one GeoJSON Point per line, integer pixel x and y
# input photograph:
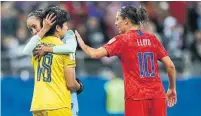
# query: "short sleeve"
{"type": "Point", "coordinates": [115, 46]}
{"type": "Point", "coordinates": [161, 52]}
{"type": "Point", "coordinates": [69, 60]}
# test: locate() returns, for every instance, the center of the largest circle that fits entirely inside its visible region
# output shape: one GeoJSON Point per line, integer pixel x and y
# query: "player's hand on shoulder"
{"type": "Point", "coordinates": [70, 38]}
{"type": "Point", "coordinates": [70, 33]}
{"type": "Point", "coordinates": [49, 21]}
{"type": "Point", "coordinates": [171, 97]}
{"type": "Point", "coordinates": [79, 38]}
{"type": "Point", "coordinates": [81, 86]}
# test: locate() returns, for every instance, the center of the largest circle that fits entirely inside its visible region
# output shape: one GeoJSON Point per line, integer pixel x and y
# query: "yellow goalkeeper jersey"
{"type": "Point", "coordinates": [50, 90]}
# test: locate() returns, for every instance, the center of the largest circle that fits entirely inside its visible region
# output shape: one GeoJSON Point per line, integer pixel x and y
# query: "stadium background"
{"type": "Point", "coordinates": [176, 24]}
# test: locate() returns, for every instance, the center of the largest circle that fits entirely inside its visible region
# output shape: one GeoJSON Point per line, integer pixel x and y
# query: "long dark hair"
{"type": "Point", "coordinates": [39, 14]}
{"type": "Point", "coordinates": [135, 15]}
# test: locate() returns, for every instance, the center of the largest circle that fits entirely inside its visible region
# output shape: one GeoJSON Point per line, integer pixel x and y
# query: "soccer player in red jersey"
{"type": "Point", "coordinates": [138, 52]}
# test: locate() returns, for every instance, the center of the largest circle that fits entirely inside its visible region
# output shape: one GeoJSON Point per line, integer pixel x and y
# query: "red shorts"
{"type": "Point", "coordinates": [149, 107]}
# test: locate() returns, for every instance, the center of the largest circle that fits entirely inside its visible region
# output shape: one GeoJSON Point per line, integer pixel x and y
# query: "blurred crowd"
{"type": "Point", "coordinates": [176, 24]}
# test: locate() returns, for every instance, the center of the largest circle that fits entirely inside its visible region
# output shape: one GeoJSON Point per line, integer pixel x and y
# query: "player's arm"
{"type": "Point", "coordinates": [89, 51]}
{"type": "Point", "coordinates": [69, 72]}
{"type": "Point", "coordinates": [169, 65]}
{"type": "Point", "coordinates": [71, 82]}
{"type": "Point", "coordinates": [31, 45]}
{"type": "Point", "coordinates": [170, 68]}
{"type": "Point", "coordinates": [162, 55]}
{"type": "Point", "coordinates": [171, 92]}
{"type": "Point", "coordinates": [69, 46]}
{"type": "Point", "coordinates": [47, 23]}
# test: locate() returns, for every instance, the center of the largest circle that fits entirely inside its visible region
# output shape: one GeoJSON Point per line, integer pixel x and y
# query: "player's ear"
{"type": "Point", "coordinates": [126, 20]}
{"type": "Point", "coordinates": [58, 28]}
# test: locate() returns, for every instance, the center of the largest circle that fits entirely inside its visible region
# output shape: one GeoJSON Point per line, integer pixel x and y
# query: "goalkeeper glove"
{"type": "Point", "coordinates": [81, 86]}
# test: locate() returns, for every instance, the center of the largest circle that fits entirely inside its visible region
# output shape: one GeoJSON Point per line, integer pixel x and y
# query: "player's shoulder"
{"type": "Point", "coordinates": [59, 56]}
{"type": "Point", "coordinates": [151, 36]}
{"type": "Point", "coordinates": [70, 59]}
{"type": "Point", "coordinates": [62, 58]}
{"type": "Point", "coordinates": [68, 56]}
{"type": "Point", "coordinates": [121, 37]}
{"type": "Point", "coordinates": [69, 36]}
{"type": "Point", "coordinates": [70, 33]}
{"type": "Point", "coordinates": [118, 38]}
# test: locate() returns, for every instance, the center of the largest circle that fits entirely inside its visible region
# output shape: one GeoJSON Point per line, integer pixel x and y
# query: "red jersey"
{"type": "Point", "coordinates": [138, 53]}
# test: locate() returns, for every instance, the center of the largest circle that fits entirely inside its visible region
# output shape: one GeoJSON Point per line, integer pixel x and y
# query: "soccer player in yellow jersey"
{"type": "Point", "coordinates": [38, 26]}
{"type": "Point", "coordinates": [51, 96]}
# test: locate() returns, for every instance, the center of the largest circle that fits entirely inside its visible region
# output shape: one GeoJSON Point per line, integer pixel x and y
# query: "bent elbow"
{"type": "Point", "coordinates": [171, 66]}
{"type": "Point", "coordinates": [71, 86]}
{"type": "Point", "coordinates": [94, 56]}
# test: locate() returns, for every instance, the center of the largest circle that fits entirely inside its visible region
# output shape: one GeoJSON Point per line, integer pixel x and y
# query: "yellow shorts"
{"type": "Point", "coordinates": [57, 112]}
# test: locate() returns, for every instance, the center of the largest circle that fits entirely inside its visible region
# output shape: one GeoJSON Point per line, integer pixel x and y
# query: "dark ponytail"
{"type": "Point", "coordinates": [135, 15]}
{"type": "Point", "coordinates": [142, 15]}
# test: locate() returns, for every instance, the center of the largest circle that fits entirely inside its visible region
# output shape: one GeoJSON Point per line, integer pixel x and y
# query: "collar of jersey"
{"type": "Point", "coordinates": [50, 37]}
{"type": "Point", "coordinates": [134, 30]}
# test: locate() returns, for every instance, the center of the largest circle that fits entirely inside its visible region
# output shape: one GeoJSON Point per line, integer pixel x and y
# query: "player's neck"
{"type": "Point", "coordinates": [133, 27]}
{"type": "Point", "coordinates": [56, 35]}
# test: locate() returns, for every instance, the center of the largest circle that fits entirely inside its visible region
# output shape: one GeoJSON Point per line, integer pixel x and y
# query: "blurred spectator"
{"type": "Point", "coordinates": [10, 43]}
{"type": "Point", "coordinates": [199, 16]}
{"type": "Point", "coordinates": [95, 23]}
{"type": "Point", "coordinates": [110, 15]}
{"type": "Point", "coordinates": [150, 27]}
{"type": "Point", "coordinates": [94, 34]}
{"type": "Point", "coordinates": [169, 24]}
{"type": "Point", "coordinates": [196, 46]}
{"type": "Point", "coordinates": [78, 11]}
{"type": "Point", "coordinates": [196, 53]}
{"type": "Point", "coordinates": [9, 21]}
{"type": "Point", "coordinates": [173, 33]}
{"type": "Point", "coordinates": [192, 16]}
{"type": "Point", "coordinates": [179, 14]}
{"type": "Point", "coordinates": [96, 9]}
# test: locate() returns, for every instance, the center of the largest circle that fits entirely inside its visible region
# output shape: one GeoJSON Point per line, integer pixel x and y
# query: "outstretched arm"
{"type": "Point", "coordinates": [47, 23]}
{"type": "Point", "coordinates": [89, 51]}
